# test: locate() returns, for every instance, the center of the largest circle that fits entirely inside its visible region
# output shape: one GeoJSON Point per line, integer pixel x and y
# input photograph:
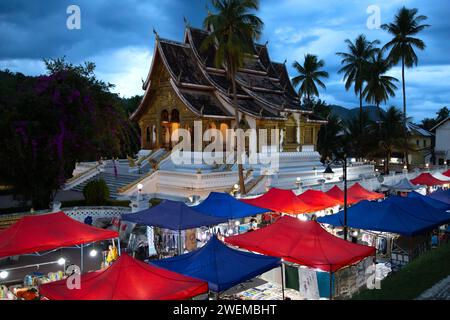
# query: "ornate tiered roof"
{"type": "Point", "coordinates": [264, 88]}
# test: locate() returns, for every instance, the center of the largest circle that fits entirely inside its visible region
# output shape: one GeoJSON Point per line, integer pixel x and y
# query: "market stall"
{"type": "Point", "coordinates": [398, 227]}
{"type": "Point", "coordinates": [176, 219]}
{"type": "Point", "coordinates": [219, 204]}
{"type": "Point", "coordinates": [318, 200]}
{"type": "Point", "coordinates": [303, 243]}
{"type": "Point", "coordinates": [128, 279]}
{"type": "Point", "coordinates": [37, 233]}
{"type": "Point", "coordinates": [437, 204]}
{"type": "Point", "coordinates": [441, 195]}
{"type": "Point", "coordinates": [428, 180]}
{"type": "Point", "coordinates": [221, 266]}
{"type": "Point", "coordinates": [338, 194]}
{"type": "Point", "coordinates": [279, 200]}
{"type": "Point", "coordinates": [356, 191]}
{"type": "Point", "coordinates": [404, 185]}
{"type": "Point", "coordinates": [39, 236]}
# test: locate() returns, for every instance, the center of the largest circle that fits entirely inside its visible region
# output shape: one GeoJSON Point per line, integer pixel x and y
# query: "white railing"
{"type": "Point", "coordinates": [76, 180]}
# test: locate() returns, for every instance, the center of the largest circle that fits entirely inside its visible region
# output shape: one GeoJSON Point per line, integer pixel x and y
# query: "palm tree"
{"type": "Point", "coordinates": [379, 87]}
{"type": "Point", "coordinates": [406, 25]}
{"type": "Point", "coordinates": [390, 134]}
{"type": "Point", "coordinates": [309, 75]}
{"type": "Point", "coordinates": [354, 63]}
{"type": "Point", "coordinates": [330, 137]}
{"type": "Point", "coordinates": [234, 28]}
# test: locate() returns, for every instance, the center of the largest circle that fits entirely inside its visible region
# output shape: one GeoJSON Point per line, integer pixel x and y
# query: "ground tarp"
{"type": "Point", "coordinates": [302, 242]}
{"type": "Point", "coordinates": [427, 180]}
{"type": "Point", "coordinates": [403, 185]}
{"type": "Point", "coordinates": [127, 279]}
{"type": "Point", "coordinates": [318, 200]}
{"type": "Point", "coordinates": [386, 216]}
{"type": "Point", "coordinates": [173, 215]}
{"type": "Point", "coordinates": [44, 232]}
{"type": "Point", "coordinates": [221, 266]}
{"type": "Point", "coordinates": [441, 195]}
{"type": "Point", "coordinates": [279, 200]}
{"type": "Point", "coordinates": [356, 191]}
{"type": "Point", "coordinates": [338, 194]}
{"type": "Point", "coordinates": [225, 206]}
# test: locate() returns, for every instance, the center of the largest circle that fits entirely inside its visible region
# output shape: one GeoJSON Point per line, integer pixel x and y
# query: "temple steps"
{"type": "Point", "coordinates": [112, 181]}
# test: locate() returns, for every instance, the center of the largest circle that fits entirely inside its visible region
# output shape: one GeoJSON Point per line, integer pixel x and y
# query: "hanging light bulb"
{"type": "Point", "coordinates": [237, 223]}
{"type": "Point", "coordinates": [61, 261]}
{"type": "Point", "coordinates": [4, 274]}
{"type": "Point", "coordinates": [93, 253]}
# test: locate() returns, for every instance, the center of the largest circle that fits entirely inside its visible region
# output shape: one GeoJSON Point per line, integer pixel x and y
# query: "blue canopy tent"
{"type": "Point", "coordinates": [173, 215]}
{"type": "Point", "coordinates": [437, 204]}
{"type": "Point", "coordinates": [389, 216]}
{"type": "Point", "coordinates": [225, 206]}
{"type": "Point", "coordinates": [220, 265]}
{"type": "Point", "coordinates": [441, 195]}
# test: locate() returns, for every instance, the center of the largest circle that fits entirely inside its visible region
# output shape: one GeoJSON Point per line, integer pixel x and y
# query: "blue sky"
{"type": "Point", "coordinates": [117, 36]}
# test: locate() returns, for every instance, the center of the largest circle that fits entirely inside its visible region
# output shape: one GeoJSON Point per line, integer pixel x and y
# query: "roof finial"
{"type": "Point", "coordinates": [155, 33]}
{"type": "Point", "coordinates": [186, 22]}
{"type": "Point", "coordinates": [265, 44]}
{"type": "Point", "coordinates": [285, 60]}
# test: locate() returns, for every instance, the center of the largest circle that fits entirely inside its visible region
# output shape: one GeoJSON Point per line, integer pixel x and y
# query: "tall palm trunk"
{"type": "Point", "coordinates": [237, 126]}
{"type": "Point", "coordinates": [405, 132]}
{"type": "Point", "coordinates": [360, 111]}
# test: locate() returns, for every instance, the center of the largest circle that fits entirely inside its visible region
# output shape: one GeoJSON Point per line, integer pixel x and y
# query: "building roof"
{"type": "Point", "coordinates": [416, 130]}
{"type": "Point", "coordinates": [440, 124]}
{"type": "Point", "coordinates": [264, 88]}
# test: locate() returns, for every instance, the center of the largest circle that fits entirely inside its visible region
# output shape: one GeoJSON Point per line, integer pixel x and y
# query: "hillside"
{"type": "Point", "coordinates": [346, 114]}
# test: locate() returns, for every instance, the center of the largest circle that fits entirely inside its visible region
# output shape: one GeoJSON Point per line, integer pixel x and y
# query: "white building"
{"type": "Point", "coordinates": [442, 144]}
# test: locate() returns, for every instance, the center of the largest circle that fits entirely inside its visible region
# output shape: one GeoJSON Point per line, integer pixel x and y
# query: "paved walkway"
{"type": "Point", "coordinates": [440, 291]}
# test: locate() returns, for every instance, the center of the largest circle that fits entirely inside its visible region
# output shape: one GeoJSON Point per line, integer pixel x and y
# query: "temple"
{"type": "Point", "coordinates": [185, 85]}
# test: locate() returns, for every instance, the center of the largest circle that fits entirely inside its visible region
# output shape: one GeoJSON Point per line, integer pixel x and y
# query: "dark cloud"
{"type": "Point", "coordinates": [122, 29]}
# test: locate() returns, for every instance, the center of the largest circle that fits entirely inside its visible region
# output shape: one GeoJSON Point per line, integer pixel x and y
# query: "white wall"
{"type": "Point", "coordinates": [443, 139]}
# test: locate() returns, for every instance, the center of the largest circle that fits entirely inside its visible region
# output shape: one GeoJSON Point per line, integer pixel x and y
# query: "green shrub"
{"type": "Point", "coordinates": [96, 193]}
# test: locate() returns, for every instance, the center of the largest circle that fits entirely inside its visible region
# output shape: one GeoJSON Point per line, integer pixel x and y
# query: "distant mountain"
{"type": "Point", "coordinates": [346, 114]}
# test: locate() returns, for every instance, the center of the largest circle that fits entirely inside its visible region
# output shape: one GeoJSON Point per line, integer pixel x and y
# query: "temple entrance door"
{"type": "Point", "coordinates": [169, 125]}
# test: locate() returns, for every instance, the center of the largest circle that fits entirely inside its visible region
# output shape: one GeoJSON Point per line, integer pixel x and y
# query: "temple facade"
{"type": "Point", "coordinates": [184, 85]}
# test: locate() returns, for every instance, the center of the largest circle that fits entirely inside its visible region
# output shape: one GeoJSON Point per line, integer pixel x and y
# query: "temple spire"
{"type": "Point", "coordinates": [155, 33]}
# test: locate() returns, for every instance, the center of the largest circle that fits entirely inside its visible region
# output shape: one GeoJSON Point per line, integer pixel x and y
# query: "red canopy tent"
{"type": "Point", "coordinates": [280, 200]}
{"type": "Point", "coordinates": [338, 194]}
{"type": "Point", "coordinates": [127, 279]}
{"type": "Point", "coordinates": [447, 173]}
{"type": "Point", "coordinates": [427, 180]}
{"type": "Point", "coordinates": [302, 242]}
{"type": "Point", "coordinates": [356, 191]}
{"type": "Point", "coordinates": [46, 232]}
{"type": "Point", "coordinates": [318, 200]}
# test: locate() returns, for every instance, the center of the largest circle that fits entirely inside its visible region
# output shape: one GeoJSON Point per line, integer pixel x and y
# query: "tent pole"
{"type": "Point", "coordinates": [118, 246]}
{"type": "Point", "coordinates": [282, 279]}
{"type": "Point", "coordinates": [82, 260]}
{"type": "Point", "coordinates": [331, 285]}
{"type": "Point", "coordinates": [180, 250]}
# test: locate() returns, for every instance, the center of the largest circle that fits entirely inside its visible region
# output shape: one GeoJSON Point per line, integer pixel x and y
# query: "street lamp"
{"type": "Point", "coordinates": [139, 187]}
{"type": "Point", "coordinates": [328, 174]}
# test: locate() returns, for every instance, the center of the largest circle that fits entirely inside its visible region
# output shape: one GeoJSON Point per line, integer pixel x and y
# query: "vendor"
{"type": "Point", "coordinates": [112, 254]}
